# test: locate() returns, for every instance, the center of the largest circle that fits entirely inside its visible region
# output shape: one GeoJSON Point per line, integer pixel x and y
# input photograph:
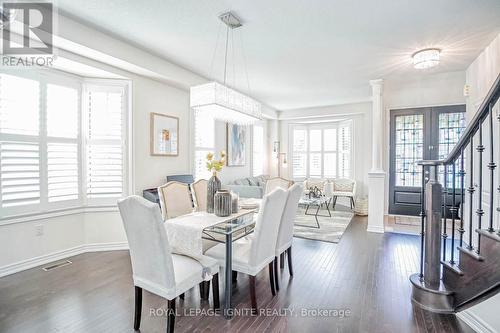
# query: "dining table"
{"type": "Point", "coordinates": [187, 233]}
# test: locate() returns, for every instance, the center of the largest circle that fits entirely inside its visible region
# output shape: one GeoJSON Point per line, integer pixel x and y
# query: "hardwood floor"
{"type": "Point", "coordinates": [365, 274]}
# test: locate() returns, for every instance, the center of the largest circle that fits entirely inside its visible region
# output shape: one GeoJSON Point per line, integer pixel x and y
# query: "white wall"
{"type": "Point", "coordinates": [360, 113]}
{"type": "Point", "coordinates": [481, 74]}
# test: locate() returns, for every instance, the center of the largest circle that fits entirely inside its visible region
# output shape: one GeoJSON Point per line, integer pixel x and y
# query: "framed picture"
{"type": "Point", "coordinates": [164, 131]}
{"type": "Point", "coordinates": [235, 144]}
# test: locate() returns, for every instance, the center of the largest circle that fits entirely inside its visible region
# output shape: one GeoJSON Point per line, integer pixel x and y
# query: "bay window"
{"type": "Point", "coordinates": [62, 142]}
{"type": "Point", "coordinates": [321, 150]}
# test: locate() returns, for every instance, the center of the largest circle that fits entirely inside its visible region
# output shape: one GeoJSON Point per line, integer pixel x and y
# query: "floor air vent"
{"type": "Point", "coordinates": [57, 265]}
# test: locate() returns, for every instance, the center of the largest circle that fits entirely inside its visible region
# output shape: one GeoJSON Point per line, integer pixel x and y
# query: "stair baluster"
{"type": "Point", "coordinates": [492, 167]}
{"type": "Point", "coordinates": [480, 211]}
{"type": "Point", "coordinates": [453, 215]}
{"type": "Point", "coordinates": [471, 192]}
{"type": "Point", "coordinates": [445, 221]}
{"type": "Point", "coordinates": [461, 230]}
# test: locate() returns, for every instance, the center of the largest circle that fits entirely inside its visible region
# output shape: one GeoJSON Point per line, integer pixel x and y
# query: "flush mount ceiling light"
{"type": "Point", "coordinates": [426, 58]}
{"type": "Point", "coordinates": [221, 102]}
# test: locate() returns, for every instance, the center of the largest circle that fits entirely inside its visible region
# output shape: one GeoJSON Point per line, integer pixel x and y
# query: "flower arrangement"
{"type": "Point", "coordinates": [216, 165]}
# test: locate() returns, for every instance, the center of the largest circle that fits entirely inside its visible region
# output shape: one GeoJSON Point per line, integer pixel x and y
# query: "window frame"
{"type": "Point", "coordinates": [337, 125]}
{"type": "Point", "coordinates": [45, 208]}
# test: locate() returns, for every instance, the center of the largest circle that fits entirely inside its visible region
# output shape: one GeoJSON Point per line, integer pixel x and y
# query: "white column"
{"type": "Point", "coordinates": [376, 176]}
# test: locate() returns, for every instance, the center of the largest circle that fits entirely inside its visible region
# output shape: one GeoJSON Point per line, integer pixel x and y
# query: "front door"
{"type": "Point", "coordinates": [419, 134]}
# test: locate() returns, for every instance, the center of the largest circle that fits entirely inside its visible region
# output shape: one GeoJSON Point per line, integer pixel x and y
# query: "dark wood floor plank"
{"type": "Point", "coordinates": [365, 273]}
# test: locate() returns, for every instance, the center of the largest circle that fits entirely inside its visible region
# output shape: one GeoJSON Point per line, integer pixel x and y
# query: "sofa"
{"type": "Point", "coordinates": [250, 187]}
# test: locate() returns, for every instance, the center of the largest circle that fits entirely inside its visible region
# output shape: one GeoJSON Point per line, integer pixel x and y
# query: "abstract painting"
{"type": "Point", "coordinates": [236, 139]}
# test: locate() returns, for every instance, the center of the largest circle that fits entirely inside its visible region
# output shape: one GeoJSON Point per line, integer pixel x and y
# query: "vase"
{"type": "Point", "coordinates": [222, 203]}
{"type": "Point", "coordinates": [212, 188]}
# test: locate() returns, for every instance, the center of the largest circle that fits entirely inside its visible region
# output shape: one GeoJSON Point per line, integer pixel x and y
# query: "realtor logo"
{"type": "Point", "coordinates": [37, 21]}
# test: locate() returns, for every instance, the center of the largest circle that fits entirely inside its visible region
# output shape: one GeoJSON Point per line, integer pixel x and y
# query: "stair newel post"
{"type": "Point", "coordinates": [480, 211]}
{"type": "Point", "coordinates": [445, 197]}
{"type": "Point", "coordinates": [492, 167]}
{"type": "Point", "coordinates": [471, 193]}
{"type": "Point", "coordinates": [462, 197]}
{"type": "Point", "coordinates": [453, 213]}
{"type": "Point", "coordinates": [433, 205]}
{"type": "Point", "coordinates": [422, 222]}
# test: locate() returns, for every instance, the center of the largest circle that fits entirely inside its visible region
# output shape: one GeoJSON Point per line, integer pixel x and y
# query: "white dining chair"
{"type": "Point", "coordinates": [175, 199]}
{"type": "Point", "coordinates": [285, 232]}
{"type": "Point", "coordinates": [276, 182]}
{"type": "Point", "coordinates": [200, 194]}
{"type": "Point", "coordinates": [251, 255]}
{"type": "Point", "coordinates": [154, 267]}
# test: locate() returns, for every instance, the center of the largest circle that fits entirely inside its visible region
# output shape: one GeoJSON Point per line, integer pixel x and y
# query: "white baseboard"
{"type": "Point", "coordinates": [376, 229]}
{"type": "Point", "coordinates": [476, 323]}
{"type": "Point", "coordinates": [59, 255]}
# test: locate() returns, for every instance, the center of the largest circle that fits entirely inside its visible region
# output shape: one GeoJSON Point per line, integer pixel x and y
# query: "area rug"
{"type": "Point", "coordinates": [331, 228]}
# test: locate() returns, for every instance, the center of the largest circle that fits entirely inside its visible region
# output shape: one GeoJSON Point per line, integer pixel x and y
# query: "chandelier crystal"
{"type": "Point", "coordinates": [221, 102]}
{"type": "Point", "coordinates": [225, 104]}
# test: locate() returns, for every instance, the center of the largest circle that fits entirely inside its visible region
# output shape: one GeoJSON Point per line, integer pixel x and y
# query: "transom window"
{"type": "Point", "coordinates": [322, 151]}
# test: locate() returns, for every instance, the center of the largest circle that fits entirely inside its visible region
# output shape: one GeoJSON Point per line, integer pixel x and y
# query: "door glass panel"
{"type": "Point", "coordinates": [451, 127]}
{"type": "Point", "coordinates": [409, 149]}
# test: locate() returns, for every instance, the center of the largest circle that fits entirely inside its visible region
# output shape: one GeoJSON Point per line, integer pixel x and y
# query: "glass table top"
{"type": "Point", "coordinates": [244, 222]}
{"type": "Point", "coordinates": [305, 200]}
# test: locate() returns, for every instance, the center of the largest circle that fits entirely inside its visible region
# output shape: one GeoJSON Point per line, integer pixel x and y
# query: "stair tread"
{"type": "Point", "coordinates": [453, 267]}
{"type": "Point", "coordinates": [471, 253]}
{"type": "Point", "coordinates": [492, 235]}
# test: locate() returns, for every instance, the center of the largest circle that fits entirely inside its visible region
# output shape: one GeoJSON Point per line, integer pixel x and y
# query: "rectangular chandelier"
{"type": "Point", "coordinates": [225, 104]}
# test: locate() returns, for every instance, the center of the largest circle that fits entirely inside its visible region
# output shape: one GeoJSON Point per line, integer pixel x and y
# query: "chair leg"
{"type": "Point", "coordinates": [138, 308]}
{"type": "Point", "coordinates": [289, 256]}
{"type": "Point", "coordinates": [275, 266]}
{"type": "Point", "coordinates": [282, 260]}
{"type": "Point", "coordinates": [352, 203]}
{"type": "Point", "coordinates": [253, 298]}
{"type": "Point", "coordinates": [171, 316]}
{"type": "Point", "coordinates": [271, 278]}
{"type": "Point", "coordinates": [215, 290]}
{"type": "Point", "coordinates": [204, 290]}
{"type": "Point", "coordinates": [334, 202]}
{"type": "Point", "coordinates": [235, 276]}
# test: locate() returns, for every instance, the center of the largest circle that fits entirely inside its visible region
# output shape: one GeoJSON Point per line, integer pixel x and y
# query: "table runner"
{"type": "Point", "coordinates": [185, 235]}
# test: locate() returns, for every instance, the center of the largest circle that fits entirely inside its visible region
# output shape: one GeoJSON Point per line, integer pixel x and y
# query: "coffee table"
{"type": "Point", "coordinates": [315, 202]}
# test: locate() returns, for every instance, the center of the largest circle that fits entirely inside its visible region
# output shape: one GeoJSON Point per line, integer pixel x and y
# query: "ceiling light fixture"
{"type": "Point", "coordinates": [220, 101]}
{"type": "Point", "coordinates": [426, 58]}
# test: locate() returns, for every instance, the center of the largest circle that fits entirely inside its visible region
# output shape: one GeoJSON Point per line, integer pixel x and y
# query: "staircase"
{"type": "Point", "coordinates": [461, 267]}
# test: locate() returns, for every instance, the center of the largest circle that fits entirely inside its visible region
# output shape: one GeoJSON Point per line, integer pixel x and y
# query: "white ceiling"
{"type": "Point", "coordinates": [301, 53]}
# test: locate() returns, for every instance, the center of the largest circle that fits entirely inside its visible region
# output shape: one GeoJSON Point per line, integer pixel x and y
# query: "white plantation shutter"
{"type": "Point", "coordinates": [54, 153]}
{"type": "Point", "coordinates": [19, 105]}
{"type": "Point", "coordinates": [104, 148]}
{"type": "Point", "coordinates": [62, 171]}
{"type": "Point", "coordinates": [328, 154]}
{"type": "Point", "coordinates": [20, 173]}
{"type": "Point", "coordinates": [204, 143]}
{"type": "Point", "coordinates": [299, 155]}
{"type": "Point", "coordinates": [19, 143]}
{"type": "Point", "coordinates": [62, 142]}
{"type": "Point", "coordinates": [345, 142]}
